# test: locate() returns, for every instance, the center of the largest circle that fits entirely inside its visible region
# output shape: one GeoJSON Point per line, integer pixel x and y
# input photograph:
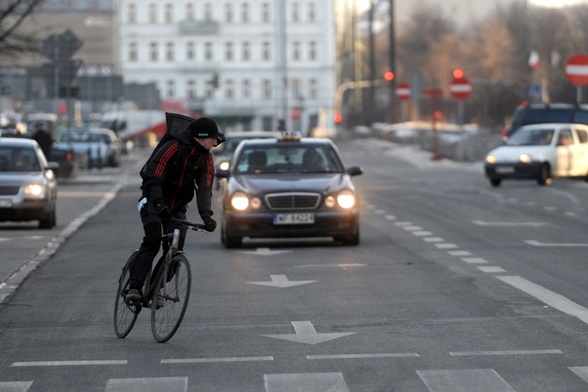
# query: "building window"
{"type": "Point", "coordinates": [132, 14]}
{"type": "Point", "coordinates": [133, 52]}
{"type": "Point", "coordinates": [245, 51]}
{"type": "Point", "coordinates": [266, 52]}
{"type": "Point", "coordinates": [295, 14]}
{"type": "Point", "coordinates": [266, 92]}
{"type": "Point", "coordinates": [208, 51]}
{"type": "Point", "coordinates": [152, 13]}
{"type": "Point", "coordinates": [153, 51]}
{"type": "Point", "coordinates": [312, 89]}
{"type": "Point", "coordinates": [311, 12]}
{"type": "Point", "coordinates": [190, 51]}
{"type": "Point", "coordinates": [312, 50]}
{"type": "Point", "coordinates": [229, 51]}
{"type": "Point", "coordinates": [246, 89]}
{"type": "Point", "coordinates": [169, 51]}
{"type": "Point", "coordinates": [228, 12]}
{"type": "Point", "coordinates": [229, 87]}
{"type": "Point", "coordinates": [208, 12]}
{"type": "Point", "coordinates": [169, 13]}
{"type": "Point", "coordinates": [190, 11]}
{"type": "Point", "coordinates": [265, 13]}
{"type": "Point", "coordinates": [191, 89]}
{"type": "Point", "coordinates": [245, 13]}
{"type": "Point", "coordinates": [295, 50]}
{"type": "Point", "coordinates": [295, 86]}
{"type": "Point", "coordinates": [170, 89]}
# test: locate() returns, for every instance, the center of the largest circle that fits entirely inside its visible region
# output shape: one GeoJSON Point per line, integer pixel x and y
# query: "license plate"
{"type": "Point", "coordinates": [5, 203]}
{"type": "Point", "coordinates": [294, 219]}
{"type": "Point", "coordinates": [505, 169]}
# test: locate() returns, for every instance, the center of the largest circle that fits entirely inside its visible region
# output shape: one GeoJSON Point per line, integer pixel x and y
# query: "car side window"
{"type": "Point", "coordinates": [565, 138]}
{"type": "Point", "coordinates": [582, 135]}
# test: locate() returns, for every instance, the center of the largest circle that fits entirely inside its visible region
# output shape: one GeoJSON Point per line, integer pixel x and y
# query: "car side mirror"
{"type": "Point", "coordinates": [354, 170]}
{"type": "Point", "coordinates": [52, 166]}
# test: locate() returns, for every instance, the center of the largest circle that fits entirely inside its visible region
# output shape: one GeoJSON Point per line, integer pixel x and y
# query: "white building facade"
{"type": "Point", "coordinates": [245, 63]}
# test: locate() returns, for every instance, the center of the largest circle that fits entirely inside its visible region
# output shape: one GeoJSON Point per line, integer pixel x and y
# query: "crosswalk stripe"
{"type": "Point", "coordinates": [167, 384]}
{"type": "Point", "coordinates": [332, 382]}
{"type": "Point", "coordinates": [15, 386]}
{"type": "Point", "coordinates": [486, 380]}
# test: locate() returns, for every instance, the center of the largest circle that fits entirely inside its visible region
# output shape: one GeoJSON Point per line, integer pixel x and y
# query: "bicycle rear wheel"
{"type": "Point", "coordinates": [125, 314]}
{"type": "Point", "coordinates": [173, 288]}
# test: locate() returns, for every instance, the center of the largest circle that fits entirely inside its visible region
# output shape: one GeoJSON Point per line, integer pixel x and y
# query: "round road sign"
{"type": "Point", "coordinates": [460, 88]}
{"type": "Point", "coordinates": [403, 91]}
{"type": "Point", "coordinates": [577, 70]}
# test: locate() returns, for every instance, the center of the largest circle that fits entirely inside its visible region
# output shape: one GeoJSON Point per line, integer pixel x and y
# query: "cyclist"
{"type": "Point", "coordinates": [180, 165]}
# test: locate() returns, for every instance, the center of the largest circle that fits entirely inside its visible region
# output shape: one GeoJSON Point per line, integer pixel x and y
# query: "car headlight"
{"type": "Point", "coordinates": [346, 199]}
{"type": "Point", "coordinates": [491, 159]}
{"type": "Point", "coordinates": [224, 165]}
{"type": "Point", "coordinates": [525, 158]}
{"type": "Point", "coordinates": [36, 191]}
{"type": "Point", "coordinates": [239, 201]}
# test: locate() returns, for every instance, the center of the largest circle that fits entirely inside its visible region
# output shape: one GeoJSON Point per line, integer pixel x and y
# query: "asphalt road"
{"type": "Point", "coordinates": [456, 286]}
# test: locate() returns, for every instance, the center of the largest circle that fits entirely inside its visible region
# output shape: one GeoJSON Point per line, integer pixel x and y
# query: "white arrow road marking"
{"type": "Point", "coordinates": [554, 245]}
{"type": "Point", "coordinates": [265, 252]}
{"type": "Point", "coordinates": [282, 282]}
{"type": "Point", "coordinates": [508, 224]}
{"type": "Point", "coordinates": [305, 333]}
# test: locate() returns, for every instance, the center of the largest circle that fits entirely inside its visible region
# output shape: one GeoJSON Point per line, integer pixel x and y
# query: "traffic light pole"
{"type": "Point", "coordinates": [351, 86]}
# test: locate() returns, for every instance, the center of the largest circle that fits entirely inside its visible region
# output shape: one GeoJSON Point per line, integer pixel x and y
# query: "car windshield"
{"type": "Point", "coordinates": [286, 158]}
{"type": "Point", "coordinates": [531, 137]}
{"type": "Point", "coordinates": [18, 159]}
{"type": "Point", "coordinates": [80, 137]}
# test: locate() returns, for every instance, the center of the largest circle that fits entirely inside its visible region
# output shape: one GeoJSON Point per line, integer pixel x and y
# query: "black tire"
{"type": "Point", "coordinates": [350, 239]}
{"type": "Point", "coordinates": [495, 182]}
{"type": "Point", "coordinates": [48, 220]}
{"type": "Point", "coordinates": [230, 242]}
{"type": "Point", "coordinates": [173, 285]}
{"type": "Point", "coordinates": [125, 314]}
{"type": "Point", "coordinates": [544, 177]}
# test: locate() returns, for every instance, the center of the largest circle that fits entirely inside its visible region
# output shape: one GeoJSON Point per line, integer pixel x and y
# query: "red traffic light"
{"type": "Point", "coordinates": [338, 118]}
{"type": "Point", "coordinates": [389, 76]}
{"type": "Point", "coordinates": [458, 73]}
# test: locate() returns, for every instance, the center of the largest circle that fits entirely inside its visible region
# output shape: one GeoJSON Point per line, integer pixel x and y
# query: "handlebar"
{"type": "Point", "coordinates": [192, 225]}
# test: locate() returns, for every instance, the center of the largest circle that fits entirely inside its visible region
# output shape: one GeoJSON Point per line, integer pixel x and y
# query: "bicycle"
{"type": "Point", "coordinates": [167, 294]}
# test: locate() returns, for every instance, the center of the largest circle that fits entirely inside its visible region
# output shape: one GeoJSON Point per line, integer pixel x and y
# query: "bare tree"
{"type": "Point", "coordinates": [12, 14]}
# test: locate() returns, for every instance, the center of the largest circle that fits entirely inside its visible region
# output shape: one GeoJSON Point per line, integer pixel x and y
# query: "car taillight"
{"type": "Point", "coordinates": [505, 134]}
{"type": "Point", "coordinates": [69, 157]}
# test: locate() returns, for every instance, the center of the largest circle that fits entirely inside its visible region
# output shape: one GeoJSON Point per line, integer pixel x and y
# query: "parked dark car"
{"type": "Point", "coordinates": [289, 187]}
{"type": "Point", "coordinates": [65, 157]}
{"type": "Point", "coordinates": [546, 113]}
{"type": "Point", "coordinates": [28, 187]}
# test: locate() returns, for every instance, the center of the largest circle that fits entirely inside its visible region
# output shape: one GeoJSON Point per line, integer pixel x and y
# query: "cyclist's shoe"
{"type": "Point", "coordinates": [134, 296]}
{"type": "Point", "coordinates": [160, 301]}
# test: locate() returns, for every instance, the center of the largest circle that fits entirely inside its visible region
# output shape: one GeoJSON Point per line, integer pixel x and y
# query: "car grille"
{"type": "Point", "coordinates": [9, 190]}
{"type": "Point", "coordinates": [292, 201]}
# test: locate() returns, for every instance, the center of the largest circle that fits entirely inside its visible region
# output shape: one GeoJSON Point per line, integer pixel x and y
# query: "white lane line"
{"type": "Point", "coordinates": [403, 224]}
{"type": "Point", "coordinates": [69, 363]}
{"type": "Point", "coordinates": [15, 386]}
{"type": "Point", "coordinates": [390, 217]}
{"type": "Point", "coordinates": [155, 384]}
{"type": "Point", "coordinates": [331, 382]}
{"type": "Point", "coordinates": [214, 360]}
{"type": "Point", "coordinates": [549, 297]}
{"type": "Point", "coordinates": [433, 239]}
{"type": "Point", "coordinates": [379, 212]}
{"type": "Point", "coordinates": [508, 224]}
{"type": "Point", "coordinates": [446, 246]}
{"type": "Point", "coordinates": [459, 253]}
{"type": "Point", "coordinates": [555, 245]}
{"type": "Point", "coordinates": [412, 228]}
{"type": "Point", "coordinates": [491, 269]}
{"type": "Point", "coordinates": [503, 352]}
{"type": "Point", "coordinates": [486, 380]}
{"type": "Point", "coordinates": [329, 265]}
{"type": "Point", "coordinates": [422, 233]}
{"type": "Point", "coordinates": [474, 260]}
{"type": "Point", "coordinates": [581, 371]}
{"type": "Point", "coordinates": [359, 356]}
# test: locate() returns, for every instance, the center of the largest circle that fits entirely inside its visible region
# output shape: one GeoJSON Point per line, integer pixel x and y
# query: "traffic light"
{"type": "Point", "coordinates": [389, 76]}
{"type": "Point", "coordinates": [458, 73]}
{"type": "Point", "coordinates": [338, 118]}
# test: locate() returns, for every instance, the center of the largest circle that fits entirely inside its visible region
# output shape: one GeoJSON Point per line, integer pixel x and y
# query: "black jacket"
{"type": "Point", "coordinates": [175, 171]}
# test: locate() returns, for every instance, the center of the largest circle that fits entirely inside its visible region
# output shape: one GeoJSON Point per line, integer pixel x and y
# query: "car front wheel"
{"type": "Point", "coordinates": [230, 242]}
{"type": "Point", "coordinates": [48, 220]}
{"type": "Point", "coordinates": [544, 177]}
{"type": "Point", "coordinates": [495, 182]}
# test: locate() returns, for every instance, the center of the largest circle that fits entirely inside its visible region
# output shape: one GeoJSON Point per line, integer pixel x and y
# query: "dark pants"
{"type": "Point", "coordinates": [153, 227]}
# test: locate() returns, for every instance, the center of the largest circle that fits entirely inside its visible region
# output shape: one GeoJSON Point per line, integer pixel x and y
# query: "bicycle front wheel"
{"type": "Point", "coordinates": [170, 299]}
{"type": "Point", "coordinates": [125, 314]}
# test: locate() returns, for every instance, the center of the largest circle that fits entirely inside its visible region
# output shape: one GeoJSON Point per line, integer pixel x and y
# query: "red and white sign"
{"type": "Point", "coordinates": [460, 88]}
{"type": "Point", "coordinates": [577, 70]}
{"type": "Point", "coordinates": [403, 91]}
